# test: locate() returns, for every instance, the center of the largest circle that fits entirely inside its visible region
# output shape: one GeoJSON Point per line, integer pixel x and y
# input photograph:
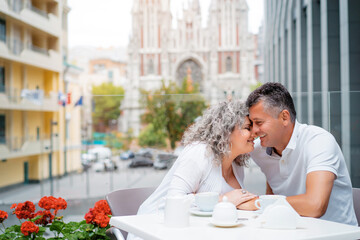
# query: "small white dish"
{"type": "Point", "coordinates": [224, 224]}
{"type": "Point", "coordinates": [196, 211]}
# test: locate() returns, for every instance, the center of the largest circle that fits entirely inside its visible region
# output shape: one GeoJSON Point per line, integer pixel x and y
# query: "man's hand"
{"type": "Point", "coordinates": [248, 205]}
{"type": "Point", "coordinates": [238, 196]}
{"type": "Point", "coordinates": [316, 198]}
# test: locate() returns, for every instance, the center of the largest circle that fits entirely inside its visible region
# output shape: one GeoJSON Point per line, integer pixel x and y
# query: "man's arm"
{"type": "Point", "coordinates": [314, 202]}
{"type": "Point", "coordinates": [269, 191]}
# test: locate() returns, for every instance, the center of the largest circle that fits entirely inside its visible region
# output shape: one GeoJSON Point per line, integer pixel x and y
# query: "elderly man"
{"type": "Point", "coordinates": [300, 161]}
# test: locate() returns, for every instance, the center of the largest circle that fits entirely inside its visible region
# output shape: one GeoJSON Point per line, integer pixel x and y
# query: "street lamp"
{"type": "Point", "coordinates": [52, 123]}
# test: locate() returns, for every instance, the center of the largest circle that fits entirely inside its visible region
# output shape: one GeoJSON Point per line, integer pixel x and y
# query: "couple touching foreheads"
{"type": "Point", "coordinates": [302, 162]}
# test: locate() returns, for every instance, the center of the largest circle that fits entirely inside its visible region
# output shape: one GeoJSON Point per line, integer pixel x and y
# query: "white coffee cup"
{"type": "Point", "coordinates": [267, 200]}
{"type": "Point", "coordinates": [206, 201]}
{"type": "Point", "coordinates": [177, 211]}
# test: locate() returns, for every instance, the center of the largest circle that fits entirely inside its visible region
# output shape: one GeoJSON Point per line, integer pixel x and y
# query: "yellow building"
{"type": "Point", "coordinates": [32, 124]}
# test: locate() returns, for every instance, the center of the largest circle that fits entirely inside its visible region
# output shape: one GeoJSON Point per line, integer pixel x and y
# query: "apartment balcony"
{"type": "Point", "coordinates": [14, 49]}
{"type": "Point", "coordinates": [16, 147]}
{"type": "Point", "coordinates": [28, 100]}
{"type": "Point", "coordinates": [31, 15]}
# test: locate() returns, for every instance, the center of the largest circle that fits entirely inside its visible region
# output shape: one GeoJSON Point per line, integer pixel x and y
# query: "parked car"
{"type": "Point", "coordinates": [105, 165]}
{"type": "Point", "coordinates": [127, 155]}
{"type": "Point", "coordinates": [87, 158]}
{"type": "Point", "coordinates": [146, 152]}
{"type": "Point", "coordinates": [100, 153]}
{"type": "Point", "coordinates": [164, 160]}
{"type": "Point", "coordinates": [140, 161]}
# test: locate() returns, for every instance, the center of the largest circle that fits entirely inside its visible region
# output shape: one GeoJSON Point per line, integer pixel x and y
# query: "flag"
{"type": "Point", "coordinates": [79, 102]}
{"type": "Point", "coordinates": [68, 99]}
{"type": "Point", "coordinates": [61, 99]}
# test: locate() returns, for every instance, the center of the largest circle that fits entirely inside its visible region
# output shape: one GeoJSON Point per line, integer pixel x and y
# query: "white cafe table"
{"type": "Point", "coordinates": [152, 227]}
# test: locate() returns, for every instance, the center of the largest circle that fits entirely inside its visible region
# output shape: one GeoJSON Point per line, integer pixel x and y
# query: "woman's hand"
{"type": "Point", "coordinates": [238, 196]}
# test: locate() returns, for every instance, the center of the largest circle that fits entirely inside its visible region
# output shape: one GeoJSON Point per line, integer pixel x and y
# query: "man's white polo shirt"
{"type": "Point", "coordinates": [310, 149]}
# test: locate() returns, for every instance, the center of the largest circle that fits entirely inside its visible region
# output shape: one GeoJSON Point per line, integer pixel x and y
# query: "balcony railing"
{"type": "Point", "coordinates": [16, 46]}
{"type": "Point", "coordinates": [13, 144]}
{"type": "Point", "coordinates": [25, 99]}
{"type": "Point", "coordinates": [38, 11]}
{"type": "Point", "coordinates": [17, 6]}
{"type": "Point", "coordinates": [22, 146]}
{"type": "Point", "coordinates": [39, 49]}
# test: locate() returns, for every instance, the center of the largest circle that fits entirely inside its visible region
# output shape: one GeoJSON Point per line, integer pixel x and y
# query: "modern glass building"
{"type": "Point", "coordinates": [312, 47]}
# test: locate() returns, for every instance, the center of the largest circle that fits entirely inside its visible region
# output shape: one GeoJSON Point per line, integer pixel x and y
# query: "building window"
{"type": "Point", "coordinates": [2, 79]}
{"type": "Point", "coordinates": [228, 64]}
{"type": "Point", "coordinates": [2, 129]}
{"type": "Point", "coordinates": [2, 30]}
{"type": "Point", "coordinates": [110, 75]}
{"type": "Point", "coordinates": [151, 67]}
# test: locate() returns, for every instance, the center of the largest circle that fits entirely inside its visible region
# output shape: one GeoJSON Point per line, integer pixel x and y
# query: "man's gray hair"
{"type": "Point", "coordinates": [215, 127]}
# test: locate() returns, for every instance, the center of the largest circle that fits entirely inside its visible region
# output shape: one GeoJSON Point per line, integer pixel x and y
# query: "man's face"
{"type": "Point", "coordinates": [268, 127]}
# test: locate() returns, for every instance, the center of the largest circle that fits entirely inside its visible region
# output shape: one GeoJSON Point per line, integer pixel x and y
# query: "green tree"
{"type": "Point", "coordinates": [152, 138]}
{"type": "Point", "coordinates": [171, 109]}
{"type": "Point", "coordinates": [107, 99]}
{"type": "Point", "coordinates": [255, 86]}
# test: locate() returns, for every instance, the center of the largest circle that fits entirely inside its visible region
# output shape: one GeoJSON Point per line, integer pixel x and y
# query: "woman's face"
{"type": "Point", "coordinates": [241, 139]}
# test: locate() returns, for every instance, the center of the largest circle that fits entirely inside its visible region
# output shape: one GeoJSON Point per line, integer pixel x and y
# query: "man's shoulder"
{"type": "Point", "coordinates": [307, 132]}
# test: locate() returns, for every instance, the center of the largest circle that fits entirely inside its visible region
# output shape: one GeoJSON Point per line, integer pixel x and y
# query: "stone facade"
{"type": "Point", "coordinates": [220, 55]}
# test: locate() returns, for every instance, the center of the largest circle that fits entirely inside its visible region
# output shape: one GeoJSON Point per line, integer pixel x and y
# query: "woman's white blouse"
{"type": "Point", "coordinates": [194, 171]}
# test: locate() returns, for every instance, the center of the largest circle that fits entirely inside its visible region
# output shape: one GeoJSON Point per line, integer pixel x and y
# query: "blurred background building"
{"type": "Point", "coordinates": [99, 65]}
{"type": "Point", "coordinates": [220, 56]}
{"type": "Point", "coordinates": [312, 47]}
{"type": "Point", "coordinates": [33, 66]}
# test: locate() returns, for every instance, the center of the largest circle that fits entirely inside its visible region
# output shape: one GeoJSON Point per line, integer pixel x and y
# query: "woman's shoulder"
{"type": "Point", "coordinates": [195, 147]}
{"type": "Point", "coordinates": [196, 151]}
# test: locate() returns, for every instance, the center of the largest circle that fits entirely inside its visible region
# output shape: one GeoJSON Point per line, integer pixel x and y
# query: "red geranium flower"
{"type": "Point", "coordinates": [60, 203]}
{"type": "Point", "coordinates": [24, 210]}
{"type": "Point", "coordinates": [47, 202]}
{"type": "Point", "coordinates": [28, 228]}
{"type": "Point", "coordinates": [52, 203]}
{"type": "Point", "coordinates": [101, 219]}
{"type": "Point", "coordinates": [99, 214]}
{"type": "Point", "coordinates": [3, 215]}
{"type": "Point", "coordinates": [46, 217]}
{"type": "Point", "coordinates": [103, 206]}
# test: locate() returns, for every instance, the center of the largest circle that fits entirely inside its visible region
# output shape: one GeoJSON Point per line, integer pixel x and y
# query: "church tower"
{"type": "Point", "coordinates": [148, 58]}
{"type": "Point", "coordinates": [231, 44]}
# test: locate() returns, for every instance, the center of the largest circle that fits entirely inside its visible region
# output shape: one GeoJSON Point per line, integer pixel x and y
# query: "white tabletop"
{"type": "Point", "coordinates": [152, 227]}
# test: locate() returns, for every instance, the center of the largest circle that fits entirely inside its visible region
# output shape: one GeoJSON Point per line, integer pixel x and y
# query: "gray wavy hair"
{"type": "Point", "coordinates": [214, 129]}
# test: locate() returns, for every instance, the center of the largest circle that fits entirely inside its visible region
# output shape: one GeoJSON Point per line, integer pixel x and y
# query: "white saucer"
{"type": "Point", "coordinates": [198, 212]}
{"type": "Point", "coordinates": [220, 224]}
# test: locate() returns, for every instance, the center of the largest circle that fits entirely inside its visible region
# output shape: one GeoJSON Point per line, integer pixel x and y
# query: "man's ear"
{"type": "Point", "coordinates": [285, 117]}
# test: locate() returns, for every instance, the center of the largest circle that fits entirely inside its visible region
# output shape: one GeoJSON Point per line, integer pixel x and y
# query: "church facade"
{"type": "Point", "coordinates": [219, 57]}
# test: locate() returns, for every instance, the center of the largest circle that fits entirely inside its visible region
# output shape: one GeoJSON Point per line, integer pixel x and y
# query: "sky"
{"type": "Point", "coordinates": [107, 23]}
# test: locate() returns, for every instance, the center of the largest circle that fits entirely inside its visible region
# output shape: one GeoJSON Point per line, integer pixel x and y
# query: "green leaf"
{"type": "Point", "coordinates": [57, 226]}
{"type": "Point", "coordinates": [36, 218]}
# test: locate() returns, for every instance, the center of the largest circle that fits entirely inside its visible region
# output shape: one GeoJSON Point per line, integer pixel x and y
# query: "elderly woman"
{"type": "Point", "coordinates": [216, 150]}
